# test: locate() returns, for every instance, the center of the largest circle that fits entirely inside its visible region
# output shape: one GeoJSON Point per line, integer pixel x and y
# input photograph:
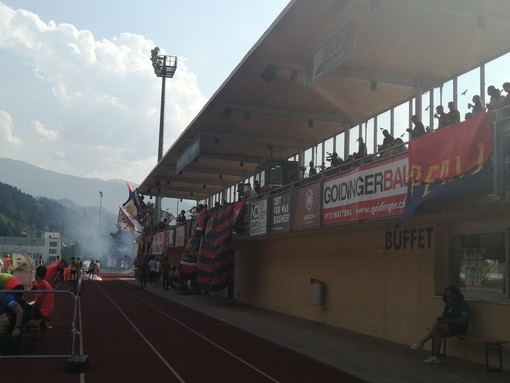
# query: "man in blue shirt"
{"type": "Point", "coordinates": [454, 321]}
{"type": "Point", "coordinates": [14, 312]}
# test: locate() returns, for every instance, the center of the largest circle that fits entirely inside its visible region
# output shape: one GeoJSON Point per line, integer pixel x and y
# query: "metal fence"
{"type": "Point", "coordinates": [55, 338]}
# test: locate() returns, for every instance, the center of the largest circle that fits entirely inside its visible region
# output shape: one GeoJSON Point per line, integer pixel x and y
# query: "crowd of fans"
{"type": "Point", "coordinates": [392, 146]}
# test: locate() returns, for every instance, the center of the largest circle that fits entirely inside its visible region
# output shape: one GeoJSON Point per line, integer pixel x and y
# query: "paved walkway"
{"type": "Point", "coordinates": [371, 359]}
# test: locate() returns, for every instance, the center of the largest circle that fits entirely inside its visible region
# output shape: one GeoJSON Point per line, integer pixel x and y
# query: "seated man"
{"type": "Point", "coordinates": [454, 321]}
{"type": "Point", "coordinates": [44, 303]}
{"type": "Point", "coordinates": [12, 304]}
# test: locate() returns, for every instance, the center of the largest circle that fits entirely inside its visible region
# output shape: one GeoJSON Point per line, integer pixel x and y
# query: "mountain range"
{"type": "Point", "coordinates": [60, 187]}
{"type": "Point", "coordinates": [73, 191]}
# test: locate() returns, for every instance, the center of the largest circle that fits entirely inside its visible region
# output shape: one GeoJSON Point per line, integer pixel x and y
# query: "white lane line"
{"type": "Point", "coordinates": [206, 339]}
{"type": "Point", "coordinates": [144, 338]}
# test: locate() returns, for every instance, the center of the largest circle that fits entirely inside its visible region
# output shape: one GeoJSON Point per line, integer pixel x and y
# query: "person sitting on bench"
{"type": "Point", "coordinates": [454, 321]}
{"type": "Point", "coordinates": [44, 303]}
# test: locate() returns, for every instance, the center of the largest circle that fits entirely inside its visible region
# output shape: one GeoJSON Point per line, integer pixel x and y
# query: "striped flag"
{"type": "Point", "coordinates": [215, 267]}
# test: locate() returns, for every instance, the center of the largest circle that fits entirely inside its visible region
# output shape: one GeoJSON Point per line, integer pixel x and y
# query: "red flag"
{"type": "Point", "coordinates": [452, 151]}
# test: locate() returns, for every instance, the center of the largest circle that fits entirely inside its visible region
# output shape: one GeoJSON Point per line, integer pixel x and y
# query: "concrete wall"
{"type": "Point", "coordinates": [371, 288]}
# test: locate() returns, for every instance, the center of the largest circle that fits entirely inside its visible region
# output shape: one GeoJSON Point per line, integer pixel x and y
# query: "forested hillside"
{"type": "Point", "coordinates": [21, 213]}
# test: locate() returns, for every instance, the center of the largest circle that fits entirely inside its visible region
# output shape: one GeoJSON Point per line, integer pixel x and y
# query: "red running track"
{"type": "Point", "coordinates": [132, 335]}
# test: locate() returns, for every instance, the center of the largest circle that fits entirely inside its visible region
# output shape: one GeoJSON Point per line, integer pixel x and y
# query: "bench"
{"type": "Point", "coordinates": [492, 347]}
{"type": "Point", "coordinates": [34, 328]}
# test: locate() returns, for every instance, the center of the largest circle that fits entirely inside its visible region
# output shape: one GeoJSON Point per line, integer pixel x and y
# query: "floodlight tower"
{"type": "Point", "coordinates": [164, 67]}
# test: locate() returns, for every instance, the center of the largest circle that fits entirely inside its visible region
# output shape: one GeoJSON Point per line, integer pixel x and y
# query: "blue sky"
{"type": "Point", "coordinates": [78, 92]}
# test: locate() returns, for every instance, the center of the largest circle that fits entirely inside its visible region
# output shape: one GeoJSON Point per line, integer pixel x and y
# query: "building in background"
{"type": "Point", "coordinates": [48, 247]}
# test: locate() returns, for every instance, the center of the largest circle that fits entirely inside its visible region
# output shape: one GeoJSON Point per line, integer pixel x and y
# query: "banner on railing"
{"type": "Point", "coordinates": [159, 242]}
{"type": "Point", "coordinates": [371, 191]}
{"type": "Point", "coordinates": [180, 236]}
{"type": "Point", "coordinates": [258, 216]}
{"type": "Point", "coordinates": [280, 213]}
{"type": "Point", "coordinates": [452, 151]}
{"type": "Point", "coordinates": [306, 206]}
{"type": "Point", "coordinates": [450, 163]}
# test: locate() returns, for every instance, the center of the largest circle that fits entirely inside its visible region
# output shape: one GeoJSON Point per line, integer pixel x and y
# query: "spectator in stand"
{"type": "Point", "coordinates": [506, 88]}
{"type": "Point", "coordinates": [418, 130]}
{"type": "Point", "coordinates": [362, 149]}
{"type": "Point", "coordinates": [258, 188]}
{"type": "Point", "coordinates": [453, 116]}
{"type": "Point", "coordinates": [441, 116]}
{"type": "Point", "coordinates": [468, 115]}
{"type": "Point", "coordinates": [398, 147]}
{"type": "Point", "coordinates": [44, 303]}
{"type": "Point", "coordinates": [477, 106]}
{"type": "Point", "coordinates": [248, 192]}
{"type": "Point", "coordinates": [388, 138]}
{"type": "Point", "coordinates": [312, 170]}
{"type": "Point", "coordinates": [495, 98]}
{"type": "Point", "coordinates": [181, 217]}
{"type": "Point", "coordinates": [335, 160]}
{"type": "Point", "coordinates": [240, 194]}
{"type": "Point", "coordinates": [387, 142]}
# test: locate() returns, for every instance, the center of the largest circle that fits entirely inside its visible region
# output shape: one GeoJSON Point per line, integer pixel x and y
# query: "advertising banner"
{"type": "Point", "coordinates": [369, 192]}
{"type": "Point", "coordinates": [159, 242]}
{"type": "Point", "coordinates": [171, 237]}
{"type": "Point", "coordinates": [180, 236]}
{"type": "Point", "coordinates": [306, 207]}
{"type": "Point", "coordinates": [258, 217]}
{"type": "Point", "coordinates": [280, 213]}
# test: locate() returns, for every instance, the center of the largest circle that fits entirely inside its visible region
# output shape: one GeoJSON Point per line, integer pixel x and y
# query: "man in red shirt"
{"type": "Point", "coordinates": [44, 303]}
{"type": "Point", "coordinates": [7, 263]}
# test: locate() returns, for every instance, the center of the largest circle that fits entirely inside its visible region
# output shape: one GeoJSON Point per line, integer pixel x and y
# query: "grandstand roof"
{"type": "Point", "coordinates": [321, 67]}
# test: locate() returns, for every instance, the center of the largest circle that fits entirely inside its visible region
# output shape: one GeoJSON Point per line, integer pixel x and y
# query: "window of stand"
{"type": "Point", "coordinates": [478, 265]}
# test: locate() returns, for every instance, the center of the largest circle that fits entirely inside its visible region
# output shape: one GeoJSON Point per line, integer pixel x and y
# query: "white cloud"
{"type": "Point", "coordinates": [7, 136]}
{"type": "Point", "coordinates": [47, 134]}
{"type": "Point", "coordinates": [100, 98]}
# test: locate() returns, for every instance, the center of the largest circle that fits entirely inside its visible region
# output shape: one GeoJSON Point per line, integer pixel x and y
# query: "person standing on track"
{"type": "Point", "coordinates": [153, 271]}
{"type": "Point", "coordinates": [7, 263]}
{"type": "Point", "coordinates": [91, 270]}
{"type": "Point", "coordinates": [165, 271]}
{"type": "Point", "coordinates": [143, 268]}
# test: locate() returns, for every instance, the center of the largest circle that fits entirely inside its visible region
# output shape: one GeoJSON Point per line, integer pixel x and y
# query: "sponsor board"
{"type": "Point", "coordinates": [369, 192]}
